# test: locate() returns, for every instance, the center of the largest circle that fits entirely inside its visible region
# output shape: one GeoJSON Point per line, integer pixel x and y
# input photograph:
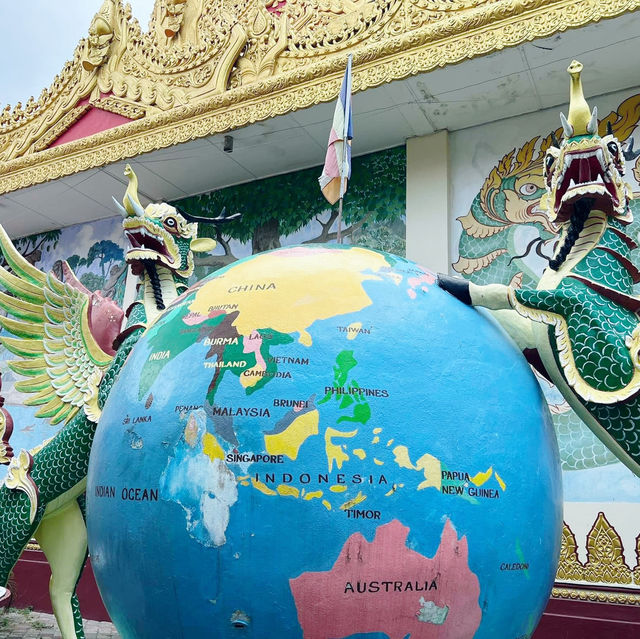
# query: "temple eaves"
{"type": "Point", "coordinates": [209, 67]}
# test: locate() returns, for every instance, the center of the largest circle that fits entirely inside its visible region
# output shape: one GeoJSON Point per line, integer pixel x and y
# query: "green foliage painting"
{"type": "Point", "coordinates": [290, 209]}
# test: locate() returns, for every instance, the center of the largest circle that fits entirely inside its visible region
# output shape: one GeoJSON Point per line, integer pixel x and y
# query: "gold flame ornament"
{"type": "Point", "coordinates": [19, 478]}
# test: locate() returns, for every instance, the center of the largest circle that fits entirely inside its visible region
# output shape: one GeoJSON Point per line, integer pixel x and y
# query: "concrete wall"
{"type": "Point", "coordinates": [428, 201]}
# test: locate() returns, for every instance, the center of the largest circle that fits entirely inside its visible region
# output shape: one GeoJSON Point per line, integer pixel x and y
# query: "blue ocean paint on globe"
{"type": "Point", "coordinates": [404, 399]}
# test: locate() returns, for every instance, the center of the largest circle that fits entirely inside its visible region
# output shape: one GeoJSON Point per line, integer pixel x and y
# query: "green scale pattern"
{"type": "Point", "coordinates": [598, 328]}
{"type": "Point", "coordinates": [57, 468]}
{"type": "Point", "coordinates": [621, 422]}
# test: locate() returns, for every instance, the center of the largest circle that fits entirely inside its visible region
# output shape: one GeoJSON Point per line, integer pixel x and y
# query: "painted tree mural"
{"type": "Point", "coordinates": [33, 247]}
{"type": "Point", "coordinates": [102, 269]}
{"type": "Point", "coordinates": [275, 208]}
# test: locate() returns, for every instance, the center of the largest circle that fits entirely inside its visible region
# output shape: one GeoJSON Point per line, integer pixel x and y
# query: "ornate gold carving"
{"type": "Point", "coordinates": [235, 62]}
{"type": "Point", "coordinates": [131, 111]}
{"type": "Point", "coordinates": [605, 559]}
{"type": "Point", "coordinates": [64, 124]}
{"type": "Point", "coordinates": [570, 567]}
{"type": "Point", "coordinates": [169, 15]}
{"type": "Point", "coordinates": [19, 478]}
{"type": "Point", "coordinates": [600, 596]}
{"type": "Point", "coordinates": [96, 46]}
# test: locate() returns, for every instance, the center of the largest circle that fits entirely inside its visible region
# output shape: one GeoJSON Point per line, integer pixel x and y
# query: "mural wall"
{"type": "Point", "coordinates": [290, 209]}
{"type": "Point", "coordinates": [283, 210]}
{"type": "Point", "coordinates": [95, 251]}
{"type": "Point", "coordinates": [500, 234]}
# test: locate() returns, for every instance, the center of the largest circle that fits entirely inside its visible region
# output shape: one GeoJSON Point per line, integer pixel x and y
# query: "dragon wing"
{"type": "Point", "coordinates": [50, 324]}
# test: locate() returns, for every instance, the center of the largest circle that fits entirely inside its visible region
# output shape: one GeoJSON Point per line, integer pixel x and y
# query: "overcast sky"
{"type": "Point", "coordinates": [39, 36]}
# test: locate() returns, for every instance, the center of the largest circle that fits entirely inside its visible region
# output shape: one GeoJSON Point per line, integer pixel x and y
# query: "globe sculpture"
{"type": "Point", "coordinates": [318, 442]}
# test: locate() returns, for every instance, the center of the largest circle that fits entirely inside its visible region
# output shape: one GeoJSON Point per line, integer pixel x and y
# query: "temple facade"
{"type": "Point", "coordinates": [229, 104]}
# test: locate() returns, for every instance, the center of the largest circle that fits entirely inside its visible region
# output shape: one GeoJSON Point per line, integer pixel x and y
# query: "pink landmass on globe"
{"type": "Point", "coordinates": [423, 281]}
{"type": "Point", "coordinates": [383, 586]}
{"type": "Point", "coordinates": [254, 345]}
{"type": "Point", "coordinates": [193, 319]}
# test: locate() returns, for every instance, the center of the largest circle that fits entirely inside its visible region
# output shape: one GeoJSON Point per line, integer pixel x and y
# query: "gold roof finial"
{"type": "Point", "coordinates": [580, 121]}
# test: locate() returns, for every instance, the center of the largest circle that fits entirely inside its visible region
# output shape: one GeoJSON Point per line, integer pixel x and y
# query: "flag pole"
{"type": "Point", "coordinates": [345, 141]}
{"type": "Point", "coordinates": [340, 211]}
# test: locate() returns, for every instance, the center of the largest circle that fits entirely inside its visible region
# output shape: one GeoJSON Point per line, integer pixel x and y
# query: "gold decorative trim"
{"type": "Point", "coordinates": [598, 596]}
{"type": "Point", "coordinates": [605, 557]}
{"type": "Point", "coordinates": [384, 49]}
{"type": "Point", "coordinates": [18, 478]}
{"type": "Point", "coordinates": [32, 546]}
{"type": "Point", "coordinates": [569, 567]}
{"type": "Point", "coordinates": [113, 105]}
{"type": "Point", "coordinates": [60, 127]}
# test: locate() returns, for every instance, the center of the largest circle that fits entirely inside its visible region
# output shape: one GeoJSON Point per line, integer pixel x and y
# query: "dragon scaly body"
{"type": "Point", "coordinates": [581, 324]}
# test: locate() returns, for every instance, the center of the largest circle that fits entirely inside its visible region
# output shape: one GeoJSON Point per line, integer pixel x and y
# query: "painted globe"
{"type": "Point", "coordinates": [319, 443]}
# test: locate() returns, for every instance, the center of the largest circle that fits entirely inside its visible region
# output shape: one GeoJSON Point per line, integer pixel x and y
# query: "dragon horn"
{"type": "Point", "coordinates": [221, 219]}
{"type": "Point", "coordinates": [629, 153]}
{"type": "Point", "coordinates": [592, 126]}
{"type": "Point", "coordinates": [133, 207]}
{"type": "Point", "coordinates": [121, 208]}
{"type": "Point", "coordinates": [609, 128]}
{"type": "Point", "coordinates": [554, 140]}
{"type": "Point", "coordinates": [566, 127]}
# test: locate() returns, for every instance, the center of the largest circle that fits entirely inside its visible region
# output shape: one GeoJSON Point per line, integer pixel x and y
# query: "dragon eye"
{"type": "Point", "coordinates": [613, 149]}
{"type": "Point", "coordinates": [528, 189]}
{"type": "Point", "coordinates": [171, 222]}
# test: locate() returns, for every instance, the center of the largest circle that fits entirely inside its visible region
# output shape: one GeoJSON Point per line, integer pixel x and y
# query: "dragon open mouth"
{"type": "Point", "coordinates": [585, 173]}
{"type": "Point", "coordinates": [141, 240]}
{"type": "Point", "coordinates": [149, 243]}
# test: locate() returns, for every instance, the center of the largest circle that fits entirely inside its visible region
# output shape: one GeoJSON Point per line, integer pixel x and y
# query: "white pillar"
{"type": "Point", "coordinates": [428, 201]}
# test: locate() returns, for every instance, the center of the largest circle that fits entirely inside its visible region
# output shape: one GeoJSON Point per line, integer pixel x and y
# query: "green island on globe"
{"type": "Point", "coordinates": [319, 443]}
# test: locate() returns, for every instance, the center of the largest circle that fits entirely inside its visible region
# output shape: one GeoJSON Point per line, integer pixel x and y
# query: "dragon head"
{"type": "Point", "coordinates": [159, 234]}
{"type": "Point", "coordinates": [585, 165]}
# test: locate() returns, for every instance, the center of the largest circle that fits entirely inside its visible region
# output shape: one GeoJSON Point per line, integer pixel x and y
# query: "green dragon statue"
{"type": "Point", "coordinates": [580, 326]}
{"type": "Point", "coordinates": [508, 238]}
{"type": "Point", "coordinates": [70, 347]}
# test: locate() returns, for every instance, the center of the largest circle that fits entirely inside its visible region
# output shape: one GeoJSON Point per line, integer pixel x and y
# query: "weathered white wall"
{"type": "Point", "coordinates": [428, 201]}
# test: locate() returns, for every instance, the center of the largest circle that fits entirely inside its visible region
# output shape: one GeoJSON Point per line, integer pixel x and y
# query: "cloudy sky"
{"type": "Point", "coordinates": [39, 36]}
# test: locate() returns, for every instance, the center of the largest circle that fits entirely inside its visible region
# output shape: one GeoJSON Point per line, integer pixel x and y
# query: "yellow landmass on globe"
{"type": "Point", "coordinates": [288, 442]}
{"type": "Point", "coordinates": [250, 378]}
{"type": "Point", "coordinates": [335, 452]}
{"type": "Point", "coordinates": [429, 465]}
{"type": "Point", "coordinates": [270, 293]}
{"type": "Point", "coordinates": [262, 487]}
{"type": "Point", "coordinates": [287, 491]}
{"type": "Point", "coordinates": [482, 478]}
{"type": "Point", "coordinates": [358, 499]}
{"type": "Point", "coordinates": [500, 481]}
{"type": "Point", "coordinates": [352, 330]}
{"type": "Point", "coordinates": [211, 448]}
